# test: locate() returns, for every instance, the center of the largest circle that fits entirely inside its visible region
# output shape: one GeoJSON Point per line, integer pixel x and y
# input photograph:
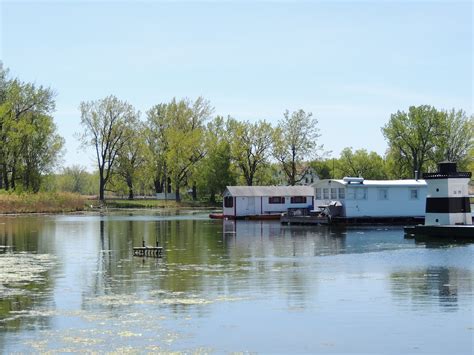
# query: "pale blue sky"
{"type": "Point", "coordinates": [351, 63]}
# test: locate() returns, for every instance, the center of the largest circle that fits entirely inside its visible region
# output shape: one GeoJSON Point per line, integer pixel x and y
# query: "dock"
{"type": "Point", "coordinates": [442, 231]}
{"type": "Point", "coordinates": [304, 220]}
{"type": "Point", "coordinates": [345, 221]}
{"type": "Point", "coordinates": [146, 250]}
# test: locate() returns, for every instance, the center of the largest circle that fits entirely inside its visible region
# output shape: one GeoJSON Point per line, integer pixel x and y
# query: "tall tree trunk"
{"type": "Point", "coordinates": [101, 186]}
{"type": "Point", "coordinates": [5, 177]}
{"type": "Point", "coordinates": [178, 197]}
{"type": "Point", "coordinates": [194, 192]}
{"type": "Point", "coordinates": [26, 178]}
{"type": "Point", "coordinates": [130, 186]}
{"type": "Point", "coordinates": [13, 178]}
{"type": "Point", "coordinates": [212, 197]}
{"type": "Point", "coordinates": [158, 185]}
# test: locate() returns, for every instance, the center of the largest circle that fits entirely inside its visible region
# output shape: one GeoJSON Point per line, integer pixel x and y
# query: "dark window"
{"type": "Point", "coordinates": [298, 199]}
{"type": "Point", "coordinates": [276, 200]}
{"type": "Point", "coordinates": [228, 202]}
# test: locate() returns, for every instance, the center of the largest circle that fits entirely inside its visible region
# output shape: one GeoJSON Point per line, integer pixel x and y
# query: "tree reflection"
{"type": "Point", "coordinates": [22, 234]}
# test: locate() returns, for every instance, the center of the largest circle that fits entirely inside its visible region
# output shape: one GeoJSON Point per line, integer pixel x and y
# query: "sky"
{"type": "Point", "coordinates": [351, 63]}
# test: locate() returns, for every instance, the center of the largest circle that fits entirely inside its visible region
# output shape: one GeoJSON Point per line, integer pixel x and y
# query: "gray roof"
{"type": "Point", "coordinates": [270, 190]}
{"type": "Point", "coordinates": [379, 183]}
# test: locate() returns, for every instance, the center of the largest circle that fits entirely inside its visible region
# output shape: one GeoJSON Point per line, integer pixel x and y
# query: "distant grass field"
{"type": "Point", "coordinates": [43, 202]}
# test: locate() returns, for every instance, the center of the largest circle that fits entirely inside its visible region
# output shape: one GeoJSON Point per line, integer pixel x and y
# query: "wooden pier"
{"type": "Point", "coordinates": [146, 250]}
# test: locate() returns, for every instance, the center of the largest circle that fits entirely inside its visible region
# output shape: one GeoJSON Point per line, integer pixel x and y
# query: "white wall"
{"type": "Point", "coordinates": [275, 208]}
{"type": "Point", "coordinates": [448, 188]}
{"type": "Point", "coordinates": [258, 205]}
{"type": "Point", "coordinates": [398, 204]}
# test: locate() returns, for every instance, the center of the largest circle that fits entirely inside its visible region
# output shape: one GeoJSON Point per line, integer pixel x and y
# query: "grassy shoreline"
{"type": "Point", "coordinates": [152, 204]}
{"type": "Point", "coordinates": [63, 202]}
{"type": "Point", "coordinates": [43, 202]}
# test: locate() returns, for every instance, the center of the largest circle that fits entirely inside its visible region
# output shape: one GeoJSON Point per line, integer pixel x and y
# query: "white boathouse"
{"type": "Point", "coordinates": [373, 198]}
{"type": "Point", "coordinates": [265, 201]}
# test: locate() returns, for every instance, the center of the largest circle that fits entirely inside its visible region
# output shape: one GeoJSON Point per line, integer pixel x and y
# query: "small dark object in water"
{"type": "Point", "coordinates": [216, 215]}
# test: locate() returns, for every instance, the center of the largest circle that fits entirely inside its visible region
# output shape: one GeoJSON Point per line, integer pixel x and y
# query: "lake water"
{"type": "Point", "coordinates": [72, 284]}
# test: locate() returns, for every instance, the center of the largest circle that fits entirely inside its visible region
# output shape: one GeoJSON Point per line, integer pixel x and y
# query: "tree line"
{"type": "Point", "coordinates": [180, 144]}
{"type": "Point", "coordinates": [182, 147]}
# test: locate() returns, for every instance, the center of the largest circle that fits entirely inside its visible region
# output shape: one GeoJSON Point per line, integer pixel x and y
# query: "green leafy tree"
{"type": "Point", "coordinates": [75, 179]}
{"type": "Point", "coordinates": [30, 145]}
{"type": "Point", "coordinates": [295, 143]}
{"type": "Point", "coordinates": [324, 169]}
{"type": "Point", "coordinates": [106, 126]}
{"type": "Point", "coordinates": [251, 145]}
{"type": "Point", "coordinates": [131, 158]}
{"type": "Point", "coordinates": [157, 125]}
{"type": "Point", "coordinates": [413, 137]}
{"type": "Point", "coordinates": [369, 165]}
{"type": "Point", "coordinates": [456, 138]}
{"type": "Point", "coordinates": [40, 151]}
{"type": "Point", "coordinates": [216, 170]}
{"type": "Point", "coordinates": [186, 140]}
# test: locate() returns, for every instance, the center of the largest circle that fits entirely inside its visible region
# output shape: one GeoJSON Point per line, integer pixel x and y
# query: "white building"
{"type": "Point", "coordinates": [265, 201]}
{"type": "Point", "coordinates": [448, 200]}
{"type": "Point", "coordinates": [373, 198]}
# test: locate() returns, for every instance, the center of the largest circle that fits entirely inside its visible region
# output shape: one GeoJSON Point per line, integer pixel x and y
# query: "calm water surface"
{"type": "Point", "coordinates": [72, 284]}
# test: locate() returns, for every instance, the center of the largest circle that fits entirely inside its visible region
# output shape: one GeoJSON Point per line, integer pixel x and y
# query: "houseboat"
{"type": "Point", "coordinates": [265, 202]}
{"type": "Point", "coordinates": [372, 200]}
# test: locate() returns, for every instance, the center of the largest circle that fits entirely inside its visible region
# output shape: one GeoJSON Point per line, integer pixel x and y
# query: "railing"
{"type": "Point", "coordinates": [459, 175]}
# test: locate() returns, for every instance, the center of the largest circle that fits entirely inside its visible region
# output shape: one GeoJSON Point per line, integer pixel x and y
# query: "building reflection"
{"type": "Point", "coordinates": [431, 286]}
{"type": "Point", "coordinates": [284, 241]}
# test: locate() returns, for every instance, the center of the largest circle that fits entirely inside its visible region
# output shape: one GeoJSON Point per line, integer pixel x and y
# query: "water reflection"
{"type": "Point", "coordinates": [310, 241]}
{"type": "Point", "coordinates": [217, 275]}
{"type": "Point", "coordinates": [25, 277]}
{"type": "Point", "coordinates": [417, 288]}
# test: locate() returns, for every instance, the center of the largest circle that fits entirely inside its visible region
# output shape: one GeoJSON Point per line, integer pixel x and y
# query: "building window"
{"type": "Point", "coordinates": [414, 194]}
{"type": "Point", "coordinates": [318, 194]}
{"type": "Point", "coordinates": [333, 193]}
{"type": "Point", "coordinates": [351, 193]}
{"type": "Point", "coordinates": [361, 193]}
{"type": "Point", "coordinates": [326, 194]}
{"type": "Point", "coordinates": [228, 202]}
{"type": "Point", "coordinates": [276, 200]}
{"type": "Point", "coordinates": [298, 199]}
{"type": "Point", "coordinates": [306, 180]}
{"type": "Point", "coordinates": [383, 194]}
{"type": "Point", "coordinates": [342, 194]}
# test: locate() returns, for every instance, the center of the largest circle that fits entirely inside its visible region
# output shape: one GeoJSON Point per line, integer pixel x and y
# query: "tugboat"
{"type": "Point", "coordinates": [448, 209]}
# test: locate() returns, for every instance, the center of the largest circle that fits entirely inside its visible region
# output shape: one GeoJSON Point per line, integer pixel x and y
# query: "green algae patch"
{"type": "Point", "coordinates": [18, 270]}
